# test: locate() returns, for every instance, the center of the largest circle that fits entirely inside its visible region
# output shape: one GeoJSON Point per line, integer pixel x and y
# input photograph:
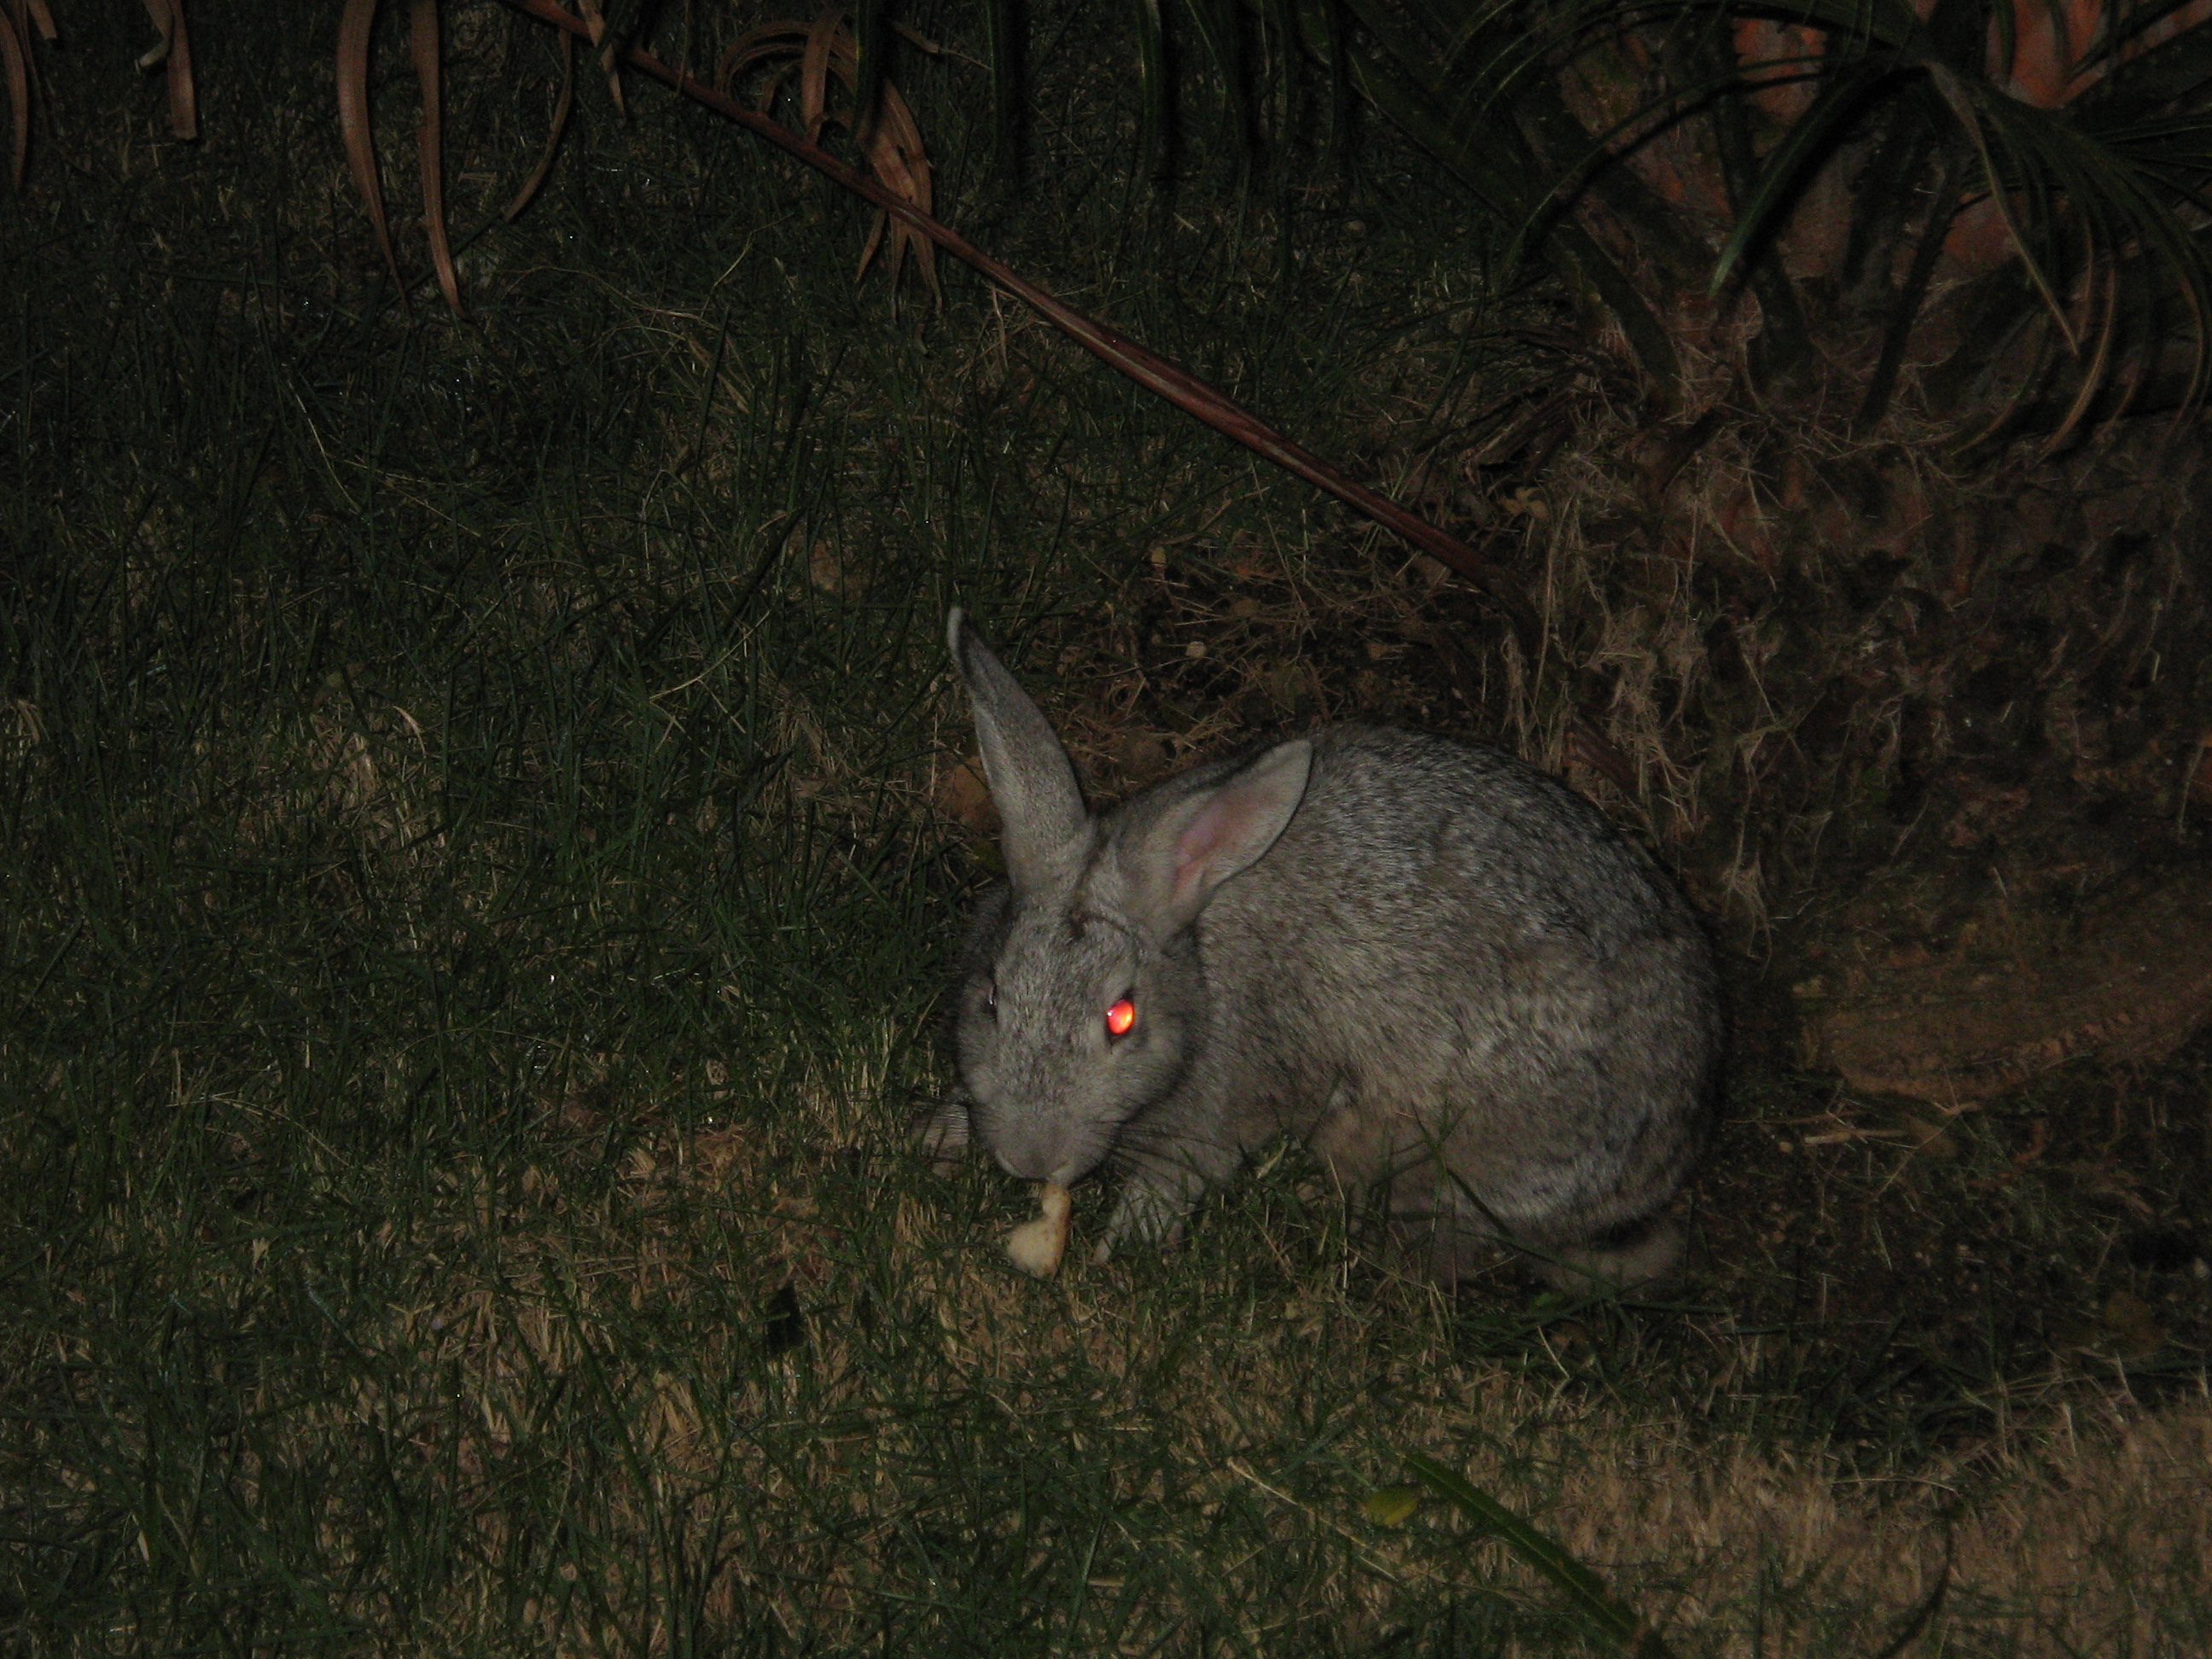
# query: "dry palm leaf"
{"type": "Point", "coordinates": [16, 64]}
{"type": "Point", "coordinates": [18, 70]}
{"type": "Point", "coordinates": [562, 107]}
{"type": "Point", "coordinates": [888, 135]}
{"type": "Point", "coordinates": [174, 50]}
{"type": "Point", "coordinates": [901, 191]}
{"type": "Point", "coordinates": [357, 25]}
{"type": "Point", "coordinates": [609, 46]}
{"type": "Point", "coordinates": [430, 146]}
{"type": "Point", "coordinates": [354, 24]}
{"type": "Point", "coordinates": [17, 20]}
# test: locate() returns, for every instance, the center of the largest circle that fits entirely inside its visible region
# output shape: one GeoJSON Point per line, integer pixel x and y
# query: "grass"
{"type": "Point", "coordinates": [475, 901]}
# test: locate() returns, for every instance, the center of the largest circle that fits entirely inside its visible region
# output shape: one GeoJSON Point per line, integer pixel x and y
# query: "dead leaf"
{"type": "Point", "coordinates": [1925, 1138]}
{"type": "Point", "coordinates": [963, 796]}
{"type": "Point", "coordinates": [175, 51]}
{"type": "Point", "coordinates": [835, 572]}
{"type": "Point", "coordinates": [1391, 1506]}
{"type": "Point", "coordinates": [1140, 754]}
{"type": "Point", "coordinates": [2132, 1324]}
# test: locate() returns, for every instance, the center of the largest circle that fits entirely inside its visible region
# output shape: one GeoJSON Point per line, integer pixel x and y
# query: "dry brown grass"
{"type": "Point", "coordinates": [2079, 1525]}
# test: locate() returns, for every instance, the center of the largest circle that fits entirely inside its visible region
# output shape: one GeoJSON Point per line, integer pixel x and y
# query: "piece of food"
{"type": "Point", "coordinates": [1036, 1247]}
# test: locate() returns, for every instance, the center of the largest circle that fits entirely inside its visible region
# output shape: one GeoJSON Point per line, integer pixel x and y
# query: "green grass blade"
{"type": "Point", "coordinates": [1604, 1616]}
{"type": "Point", "coordinates": [1155, 76]}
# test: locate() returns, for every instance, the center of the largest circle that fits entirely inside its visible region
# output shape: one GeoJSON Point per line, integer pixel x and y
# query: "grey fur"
{"type": "Point", "coordinates": [1445, 970]}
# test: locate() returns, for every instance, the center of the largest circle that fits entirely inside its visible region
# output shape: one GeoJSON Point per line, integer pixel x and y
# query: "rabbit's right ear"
{"type": "Point", "coordinates": [1046, 829]}
{"type": "Point", "coordinates": [1190, 839]}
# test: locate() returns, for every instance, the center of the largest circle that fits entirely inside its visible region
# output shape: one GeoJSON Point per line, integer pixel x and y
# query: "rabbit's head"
{"type": "Point", "coordinates": [1083, 996]}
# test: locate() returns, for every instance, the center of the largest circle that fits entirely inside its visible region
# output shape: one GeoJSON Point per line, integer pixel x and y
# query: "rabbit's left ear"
{"type": "Point", "coordinates": [1175, 860]}
{"type": "Point", "coordinates": [1046, 832]}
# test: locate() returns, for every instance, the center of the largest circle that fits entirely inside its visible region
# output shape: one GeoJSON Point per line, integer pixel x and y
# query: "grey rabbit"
{"type": "Point", "coordinates": [1445, 971]}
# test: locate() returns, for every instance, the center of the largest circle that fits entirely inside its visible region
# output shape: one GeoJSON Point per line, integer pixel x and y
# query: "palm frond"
{"type": "Point", "coordinates": [173, 54]}
{"type": "Point", "coordinates": [355, 25]}
{"type": "Point", "coordinates": [2121, 191]}
{"type": "Point", "coordinates": [1772, 192]}
{"type": "Point", "coordinates": [563, 107]}
{"type": "Point", "coordinates": [2123, 30]}
{"type": "Point", "coordinates": [1490, 159]}
{"type": "Point", "coordinates": [15, 65]}
{"type": "Point", "coordinates": [2092, 155]}
{"type": "Point", "coordinates": [430, 145]}
{"type": "Point", "coordinates": [817, 54]}
{"type": "Point", "coordinates": [2153, 78]}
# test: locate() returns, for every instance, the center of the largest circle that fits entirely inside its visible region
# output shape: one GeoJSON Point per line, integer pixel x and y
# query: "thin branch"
{"type": "Point", "coordinates": [1155, 374]}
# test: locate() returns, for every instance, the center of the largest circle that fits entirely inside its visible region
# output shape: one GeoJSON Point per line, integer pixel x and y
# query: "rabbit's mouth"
{"type": "Point", "coordinates": [1025, 1163]}
{"type": "Point", "coordinates": [1061, 1153]}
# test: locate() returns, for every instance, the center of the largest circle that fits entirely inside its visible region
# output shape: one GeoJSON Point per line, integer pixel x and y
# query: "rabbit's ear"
{"type": "Point", "coordinates": [1045, 829]}
{"type": "Point", "coordinates": [1174, 861]}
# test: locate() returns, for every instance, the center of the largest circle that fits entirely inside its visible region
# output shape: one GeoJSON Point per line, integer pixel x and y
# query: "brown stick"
{"type": "Point", "coordinates": [1155, 374]}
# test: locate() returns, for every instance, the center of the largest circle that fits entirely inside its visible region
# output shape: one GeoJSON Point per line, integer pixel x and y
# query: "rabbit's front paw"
{"type": "Point", "coordinates": [1144, 1215]}
{"type": "Point", "coordinates": [942, 1136]}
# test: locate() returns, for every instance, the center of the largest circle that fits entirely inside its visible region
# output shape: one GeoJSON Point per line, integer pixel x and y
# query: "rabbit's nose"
{"type": "Point", "coordinates": [1036, 1152]}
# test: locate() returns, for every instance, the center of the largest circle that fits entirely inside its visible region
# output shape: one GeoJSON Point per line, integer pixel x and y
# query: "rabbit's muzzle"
{"type": "Point", "coordinates": [1035, 1157]}
{"type": "Point", "coordinates": [1038, 1146]}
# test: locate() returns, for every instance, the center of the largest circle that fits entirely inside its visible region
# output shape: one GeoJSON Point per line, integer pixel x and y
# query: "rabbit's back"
{"type": "Point", "coordinates": [1461, 981]}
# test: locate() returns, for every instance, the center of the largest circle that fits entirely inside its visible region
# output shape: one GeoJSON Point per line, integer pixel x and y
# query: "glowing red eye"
{"type": "Point", "coordinates": [1120, 1017]}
